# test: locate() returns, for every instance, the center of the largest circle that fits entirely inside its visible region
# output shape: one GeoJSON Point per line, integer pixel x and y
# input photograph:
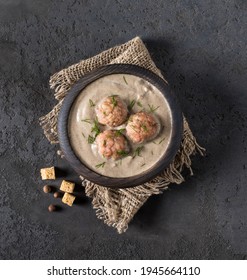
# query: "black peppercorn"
{"type": "Point", "coordinates": [52, 208]}
{"type": "Point", "coordinates": [46, 189]}
{"type": "Point", "coordinates": [56, 194]}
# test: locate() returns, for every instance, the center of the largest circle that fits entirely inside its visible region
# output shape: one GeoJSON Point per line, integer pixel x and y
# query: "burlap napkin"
{"type": "Point", "coordinates": [117, 207]}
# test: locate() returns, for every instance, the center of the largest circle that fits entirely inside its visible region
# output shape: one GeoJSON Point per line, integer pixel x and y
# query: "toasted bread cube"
{"type": "Point", "coordinates": [68, 199]}
{"type": "Point", "coordinates": [67, 186]}
{"type": "Point", "coordinates": [48, 173]}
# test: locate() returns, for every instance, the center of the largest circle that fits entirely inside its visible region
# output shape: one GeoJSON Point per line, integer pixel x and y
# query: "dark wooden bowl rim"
{"type": "Point", "coordinates": [176, 116]}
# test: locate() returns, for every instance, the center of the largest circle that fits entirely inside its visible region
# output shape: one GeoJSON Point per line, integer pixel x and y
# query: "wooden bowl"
{"type": "Point", "coordinates": [176, 126]}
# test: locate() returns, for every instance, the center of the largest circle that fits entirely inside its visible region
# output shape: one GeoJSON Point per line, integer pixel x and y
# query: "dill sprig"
{"type": "Point", "coordinates": [96, 128]}
{"type": "Point", "coordinates": [114, 101]}
{"type": "Point", "coordinates": [133, 127]}
{"type": "Point", "coordinates": [137, 151]}
{"type": "Point", "coordinates": [132, 104]}
{"type": "Point", "coordinates": [102, 164]}
{"type": "Point", "coordinates": [162, 140]}
{"type": "Point", "coordinates": [119, 131]}
{"type": "Point", "coordinates": [125, 80]}
{"type": "Point", "coordinates": [90, 139]}
{"type": "Point", "coordinates": [119, 162]}
{"type": "Point", "coordinates": [159, 141]}
{"type": "Point", "coordinates": [144, 127]}
{"type": "Point", "coordinates": [86, 121]}
{"type": "Point", "coordinates": [152, 109]}
{"type": "Point", "coordinates": [91, 103]}
{"type": "Point", "coordinates": [139, 104]}
{"type": "Point", "coordinates": [122, 153]}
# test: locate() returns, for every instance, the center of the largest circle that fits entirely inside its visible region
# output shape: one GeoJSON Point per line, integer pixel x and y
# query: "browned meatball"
{"type": "Point", "coordinates": [112, 144]}
{"type": "Point", "coordinates": [141, 127]}
{"type": "Point", "coordinates": [111, 111]}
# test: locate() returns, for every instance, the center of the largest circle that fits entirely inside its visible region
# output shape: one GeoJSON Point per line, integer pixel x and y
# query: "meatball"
{"type": "Point", "coordinates": [111, 111]}
{"type": "Point", "coordinates": [112, 144]}
{"type": "Point", "coordinates": [141, 127]}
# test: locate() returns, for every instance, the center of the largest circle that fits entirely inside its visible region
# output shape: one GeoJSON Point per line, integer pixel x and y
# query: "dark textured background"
{"type": "Point", "coordinates": [201, 48]}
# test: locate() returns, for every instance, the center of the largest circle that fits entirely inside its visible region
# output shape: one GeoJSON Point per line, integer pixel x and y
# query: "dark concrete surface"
{"type": "Point", "coordinates": [201, 48]}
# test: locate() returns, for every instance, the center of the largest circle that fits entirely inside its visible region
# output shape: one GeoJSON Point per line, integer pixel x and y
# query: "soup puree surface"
{"type": "Point", "coordinates": [128, 88]}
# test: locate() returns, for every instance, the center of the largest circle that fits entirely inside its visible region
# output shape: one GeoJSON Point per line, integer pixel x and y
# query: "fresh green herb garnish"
{"type": "Point", "coordinates": [114, 101]}
{"type": "Point", "coordinates": [122, 153]}
{"type": "Point", "coordinates": [134, 128]}
{"type": "Point", "coordinates": [91, 103]}
{"type": "Point", "coordinates": [132, 104]}
{"type": "Point", "coordinates": [90, 139]}
{"type": "Point", "coordinates": [119, 131]}
{"type": "Point", "coordinates": [144, 127]}
{"type": "Point", "coordinates": [152, 108]}
{"type": "Point", "coordinates": [162, 140]}
{"type": "Point", "coordinates": [102, 164]}
{"type": "Point", "coordinates": [137, 151]}
{"type": "Point", "coordinates": [96, 128]}
{"type": "Point", "coordinates": [119, 163]}
{"type": "Point", "coordinates": [87, 121]}
{"type": "Point", "coordinates": [125, 80]}
{"type": "Point", "coordinates": [139, 103]}
{"type": "Point", "coordinates": [159, 141]}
